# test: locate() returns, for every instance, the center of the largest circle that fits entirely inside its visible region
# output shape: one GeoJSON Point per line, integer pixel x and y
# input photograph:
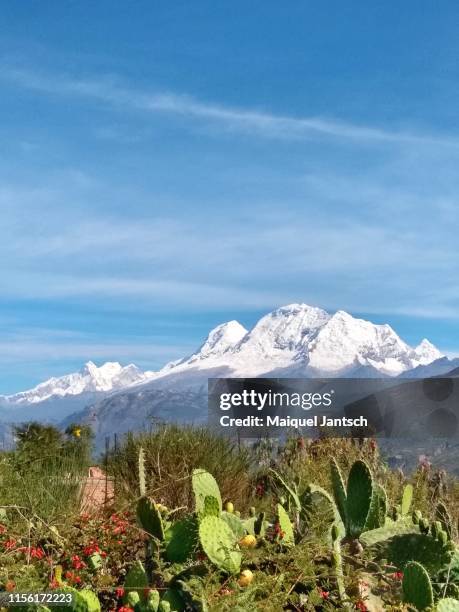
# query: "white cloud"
{"type": "Point", "coordinates": [110, 91]}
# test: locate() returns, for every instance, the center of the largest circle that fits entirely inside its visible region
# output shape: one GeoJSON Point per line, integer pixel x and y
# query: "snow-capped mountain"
{"type": "Point", "coordinates": [306, 341]}
{"type": "Point", "coordinates": [90, 379]}
{"type": "Point", "coordinates": [295, 340]}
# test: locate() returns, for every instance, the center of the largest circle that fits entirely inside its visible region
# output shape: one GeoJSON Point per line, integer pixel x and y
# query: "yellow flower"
{"type": "Point", "coordinates": [77, 432]}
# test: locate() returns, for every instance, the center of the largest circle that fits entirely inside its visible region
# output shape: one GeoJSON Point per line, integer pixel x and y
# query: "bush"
{"type": "Point", "coordinates": [171, 454]}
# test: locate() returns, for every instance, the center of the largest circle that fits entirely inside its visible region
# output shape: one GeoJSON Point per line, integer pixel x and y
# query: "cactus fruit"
{"type": "Point", "coordinates": [359, 496]}
{"type": "Point", "coordinates": [204, 485]}
{"type": "Point", "coordinates": [407, 498]}
{"type": "Point", "coordinates": [181, 540]}
{"type": "Point", "coordinates": [245, 578]}
{"type": "Point", "coordinates": [136, 581]}
{"type": "Point", "coordinates": [229, 507]}
{"type": "Point", "coordinates": [417, 588]}
{"type": "Point", "coordinates": [248, 541]}
{"type": "Point", "coordinates": [285, 526]}
{"type": "Point", "coordinates": [219, 544]}
{"type": "Point", "coordinates": [150, 518]}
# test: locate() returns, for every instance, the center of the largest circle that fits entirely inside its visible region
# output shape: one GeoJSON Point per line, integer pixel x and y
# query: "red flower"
{"type": "Point", "coordinates": [2, 529]}
{"type": "Point", "coordinates": [360, 605]}
{"type": "Point", "coordinates": [119, 592]}
{"type": "Point", "coordinates": [77, 563]}
{"type": "Point", "coordinates": [37, 553]}
{"type": "Point", "coordinates": [91, 548]}
{"type": "Point", "coordinates": [397, 575]}
{"type": "Point", "coordinates": [125, 609]}
{"type": "Point", "coordinates": [324, 594]}
{"type": "Point", "coordinates": [10, 585]}
{"type": "Point", "coordinates": [54, 584]}
{"type": "Point", "coordinates": [9, 544]}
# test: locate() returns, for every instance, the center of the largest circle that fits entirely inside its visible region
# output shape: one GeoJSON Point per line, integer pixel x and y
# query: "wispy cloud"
{"type": "Point", "coordinates": [110, 90]}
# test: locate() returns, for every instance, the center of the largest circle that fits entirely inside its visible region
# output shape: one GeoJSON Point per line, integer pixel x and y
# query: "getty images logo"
{"type": "Point", "coordinates": [275, 399]}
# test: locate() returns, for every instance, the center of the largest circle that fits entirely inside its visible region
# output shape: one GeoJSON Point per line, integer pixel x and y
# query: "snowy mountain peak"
{"type": "Point", "coordinates": [286, 328]}
{"type": "Point", "coordinates": [307, 341]}
{"type": "Point", "coordinates": [89, 379]}
{"type": "Point", "coordinates": [426, 352]}
{"type": "Point", "coordinates": [220, 339]}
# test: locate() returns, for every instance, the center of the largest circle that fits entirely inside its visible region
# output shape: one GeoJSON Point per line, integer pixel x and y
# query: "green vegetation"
{"type": "Point", "coordinates": [198, 523]}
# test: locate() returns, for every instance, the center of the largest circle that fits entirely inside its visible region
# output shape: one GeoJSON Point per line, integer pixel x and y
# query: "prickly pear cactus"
{"type": "Point", "coordinates": [149, 604]}
{"type": "Point", "coordinates": [378, 508]}
{"type": "Point", "coordinates": [83, 601]}
{"type": "Point", "coordinates": [91, 600]}
{"type": "Point", "coordinates": [442, 515]}
{"type": "Point", "coordinates": [339, 490]}
{"type": "Point", "coordinates": [448, 605]}
{"type": "Point", "coordinates": [416, 585]}
{"type": "Point", "coordinates": [181, 540]}
{"type": "Point", "coordinates": [219, 544]}
{"type": "Point", "coordinates": [149, 518]}
{"type": "Point", "coordinates": [423, 548]}
{"type": "Point", "coordinates": [164, 606]}
{"type": "Point", "coordinates": [286, 529]}
{"type": "Point", "coordinates": [136, 581]}
{"type": "Point", "coordinates": [407, 499]}
{"type": "Point", "coordinates": [391, 528]}
{"type": "Point", "coordinates": [204, 485]}
{"type": "Point", "coordinates": [235, 523]}
{"type": "Point", "coordinates": [211, 506]}
{"type": "Point", "coordinates": [359, 496]}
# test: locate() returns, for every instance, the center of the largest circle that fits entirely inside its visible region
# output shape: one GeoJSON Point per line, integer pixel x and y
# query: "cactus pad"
{"type": "Point", "coordinates": [359, 495]}
{"type": "Point", "coordinates": [149, 518]}
{"type": "Point", "coordinates": [136, 580]}
{"type": "Point", "coordinates": [339, 491]}
{"type": "Point", "coordinates": [219, 544]}
{"type": "Point", "coordinates": [377, 514]}
{"type": "Point", "coordinates": [235, 523]}
{"type": "Point", "coordinates": [204, 485]}
{"type": "Point", "coordinates": [287, 536]}
{"type": "Point", "coordinates": [417, 588]}
{"type": "Point", "coordinates": [448, 605]}
{"type": "Point", "coordinates": [211, 507]}
{"type": "Point", "coordinates": [423, 548]}
{"type": "Point", "coordinates": [407, 499]}
{"type": "Point", "coordinates": [181, 539]}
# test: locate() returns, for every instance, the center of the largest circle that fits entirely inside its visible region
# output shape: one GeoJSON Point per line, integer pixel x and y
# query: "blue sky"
{"type": "Point", "coordinates": [168, 166]}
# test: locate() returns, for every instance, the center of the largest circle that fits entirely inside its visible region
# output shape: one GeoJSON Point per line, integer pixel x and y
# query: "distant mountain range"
{"type": "Point", "coordinates": [293, 341]}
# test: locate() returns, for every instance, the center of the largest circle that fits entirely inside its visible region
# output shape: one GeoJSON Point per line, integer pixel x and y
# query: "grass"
{"type": "Point", "coordinates": [171, 454]}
